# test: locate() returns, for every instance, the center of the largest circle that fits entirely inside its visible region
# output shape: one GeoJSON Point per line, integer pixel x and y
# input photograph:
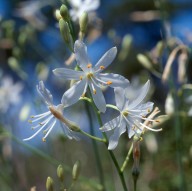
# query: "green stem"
{"type": "Point", "coordinates": [127, 158]}
{"type": "Point", "coordinates": [112, 106]}
{"type": "Point", "coordinates": [93, 137]}
{"type": "Point", "coordinates": [121, 176]}
{"type": "Point", "coordinates": [95, 147]}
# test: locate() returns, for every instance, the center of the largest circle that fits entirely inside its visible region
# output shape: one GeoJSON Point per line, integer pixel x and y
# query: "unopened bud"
{"type": "Point", "coordinates": [57, 14]}
{"type": "Point", "coordinates": [60, 173]}
{"type": "Point", "coordinates": [145, 61]}
{"type": "Point", "coordinates": [65, 32]}
{"type": "Point", "coordinates": [83, 22]}
{"type": "Point", "coordinates": [76, 170]}
{"type": "Point", "coordinates": [64, 12]}
{"type": "Point", "coordinates": [159, 48]}
{"type": "Point", "coordinates": [49, 184]}
{"type": "Point", "coordinates": [13, 63]}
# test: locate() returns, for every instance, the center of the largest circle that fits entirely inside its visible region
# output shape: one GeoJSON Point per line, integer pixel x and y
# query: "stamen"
{"type": "Point", "coordinates": [81, 77]}
{"type": "Point", "coordinates": [94, 91]}
{"type": "Point", "coordinates": [148, 110]}
{"type": "Point", "coordinates": [43, 139]}
{"type": "Point", "coordinates": [89, 75]}
{"type": "Point", "coordinates": [102, 67]}
{"type": "Point", "coordinates": [89, 65]}
{"type": "Point", "coordinates": [156, 130]}
{"type": "Point", "coordinates": [38, 117]}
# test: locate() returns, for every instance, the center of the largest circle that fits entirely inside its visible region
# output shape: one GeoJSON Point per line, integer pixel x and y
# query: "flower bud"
{"type": "Point", "coordinates": [145, 61]}
{"type": "Point", "coordinates": [76, 170]}
{"type": "Point", "coordinates": [49, 184]}
{"type": "Point", "coordinates": [64, 12]}
{"type": "Point", "coordinates": [60, 173]}
{"type": "Point", "coordinates": [83, 22]}
{"type": "Point", "coordinates": [57, 14]}
{"type": "Point", "coordinates": [65, 32]}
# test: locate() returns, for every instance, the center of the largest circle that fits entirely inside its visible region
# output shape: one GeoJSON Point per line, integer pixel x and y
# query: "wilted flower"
{"type": "Point", "coordinates": [50, 117]}
{"type": "Point", "coordinates": [90, 76]}
{"type": "Point", "coordinates": [132, 115]}
{"type": "Point", "coordinates": [9, 93]}
{"type": "Point", "coordinates": [80, 6]}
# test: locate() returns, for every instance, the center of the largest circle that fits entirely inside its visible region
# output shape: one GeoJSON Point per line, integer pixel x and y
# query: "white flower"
{"type": "Point", "coordinates": [90, 76]}
{"type": "Point", "coordinates": [9, 93]}
{"type": "Point", "coordinates": [31, 11]}
{"type": "Point", "coordinates": [50, 117]}
{"type": "Point", "coordinates": [80, 6]}
{"type": "Point", "coordinates": [132, 115]}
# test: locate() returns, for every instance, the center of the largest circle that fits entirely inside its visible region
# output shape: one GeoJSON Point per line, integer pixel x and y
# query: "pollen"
{"type": "Point", "coordinates": [94, 91]}
{"type": "Point", "coordinates": [89, 65]}
{"type": "Point", "coordinates": [102, 67]}
{"type": "Point", "coordinates": [81, 77]}
{"type": "Point", "coordinates": [109, 82]}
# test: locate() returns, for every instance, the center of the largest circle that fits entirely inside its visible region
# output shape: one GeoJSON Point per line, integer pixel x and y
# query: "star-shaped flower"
{"type": "Point", "coordinates": [80, 6]}
{"type": "Point", "coordinates": [132, 115]}
{"type": "Point", "coordinates": [90, 76]}
{"type": "Point", "coordinates": [50, 117]}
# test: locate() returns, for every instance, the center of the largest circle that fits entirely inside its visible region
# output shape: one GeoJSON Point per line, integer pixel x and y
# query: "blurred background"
{"type": "Point", "coordinates": [148, 34]}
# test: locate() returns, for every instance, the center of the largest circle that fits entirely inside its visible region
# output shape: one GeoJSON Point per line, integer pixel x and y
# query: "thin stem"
{"type": "Point", "coordinates": [121, 176]}
{"type": "Point", "coordinates": [127, 158]}
{"type": "Point", "coordinates": [112, 106]}
{"type": "Point", "coordinates": [95, 147]}
{"type": "Point", "coordinates": [93, 137]}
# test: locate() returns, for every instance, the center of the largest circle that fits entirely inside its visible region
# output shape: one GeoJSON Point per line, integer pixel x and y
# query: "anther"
{"type": "Point", "coordinates": [109, 82]}
{"type": "Point", "coordinates": [102, 67]}
{"type": "Point", "coordinates": [43, 139]}
{"type": "Point", "coordinates": [29, 121]}
{"type": "Point", "coordinates": [157, 121]}
{"type": "Point", "coordinates": [148, 110]}
{"type": "Point", "coordinates": [32, 116]}
{"type": "Point", "coordinates": [81, 77]}
{"type": "Point", "coordinates": [83, 95]}
{"type": "Point", "coordinates": [94, 91]}
{"type": "Point", "coordinates": [89, 65]}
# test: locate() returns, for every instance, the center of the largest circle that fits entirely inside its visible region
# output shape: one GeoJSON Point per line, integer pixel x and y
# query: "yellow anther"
{"type": "Point", "coordinates": [83, 95]}
{"type": "Point", "coordinates": [102, 67]}
{"type": "Point", "coordinates": [89, 65]}
{"type": "Point", "coordinates": [94, 91]}
{"type": "Point", "coordinates": [81, 77]}
{"type": "Point", "coordinates": [29, 121]}
{"type": "Point", "coordinates": [125, 113]}
{"type": "Point", "coordinates": [140, 138]}
{"type": "Point", "coordinates": [44, 132]}
{"type": "Point", "coordinates": [148, 110]}
{"type": "Point", "coordinates": [32, 116]}
{"type": "Point", "coordinates": [43, 139]}
{"type": "Point", "coordinates": [157, 121]}
{"type": "Point", "coordinates": [109, 82]}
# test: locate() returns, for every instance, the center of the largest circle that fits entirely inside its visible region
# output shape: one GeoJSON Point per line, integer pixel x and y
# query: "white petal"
{"type": "Point", "coordinates": [44, 93]}
{"type": "Point", "coordinates": [111, 124]}
{"type": "Point", "coordinates": [113, 140]}
{"type": "Point", "coordinates": [106, 59]}
{"type": "Point", "coordinates": [129, 123]}
{"type": "Point", "coordinates": [68, 73]}
{"type": "Point", "coordinates": [80, 50]}
{"type": "Point", "coordinates": [98, 97]}
{"type": "Point", "coordinates": [120, 98]}
{"type": "Point", "coordinates": [116, 79]}
{"type": "Point", "coordinates": [73, 94]}
{"type": "Point", "coordinates": [143, 92]}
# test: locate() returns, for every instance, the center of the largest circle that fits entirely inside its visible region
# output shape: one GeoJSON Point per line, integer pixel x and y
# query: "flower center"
{"type": "Point", "coordinates": [125, 113]}
{"type": "Point", "coordinates": [89, 75]}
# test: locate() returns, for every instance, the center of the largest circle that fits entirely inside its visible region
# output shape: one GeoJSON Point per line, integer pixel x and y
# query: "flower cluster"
{"type": "Point", "coordinates": [132, 112]}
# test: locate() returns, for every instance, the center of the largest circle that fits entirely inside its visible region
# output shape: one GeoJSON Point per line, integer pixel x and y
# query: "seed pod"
{"type": "Point", "coordinates": [76, 170]}
{"type": "Point", "coordinates": [49, 184]}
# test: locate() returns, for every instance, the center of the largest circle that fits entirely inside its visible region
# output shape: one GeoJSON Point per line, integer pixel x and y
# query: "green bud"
{"type": "Point", "coordinates": [60, 173]}
{"type": "Point", "coordinates": [49, 184]}
{"type": "Point", "coordinates": [76, 170]}
{"type": "Point", "coordinates": [65, 32]}
{"type": "Point", "coordinates": [64, 12]}
{"type": "Point", "coordinates": [145, 61]}
{"type": "Point", "coordinates": [57, 14]}
{"type": "Point", "coordinates": [13, 63]}
{"type": "Point", "coordinates": [159, 48]}
{"type": "Point", "coordinates": [83, 22]}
